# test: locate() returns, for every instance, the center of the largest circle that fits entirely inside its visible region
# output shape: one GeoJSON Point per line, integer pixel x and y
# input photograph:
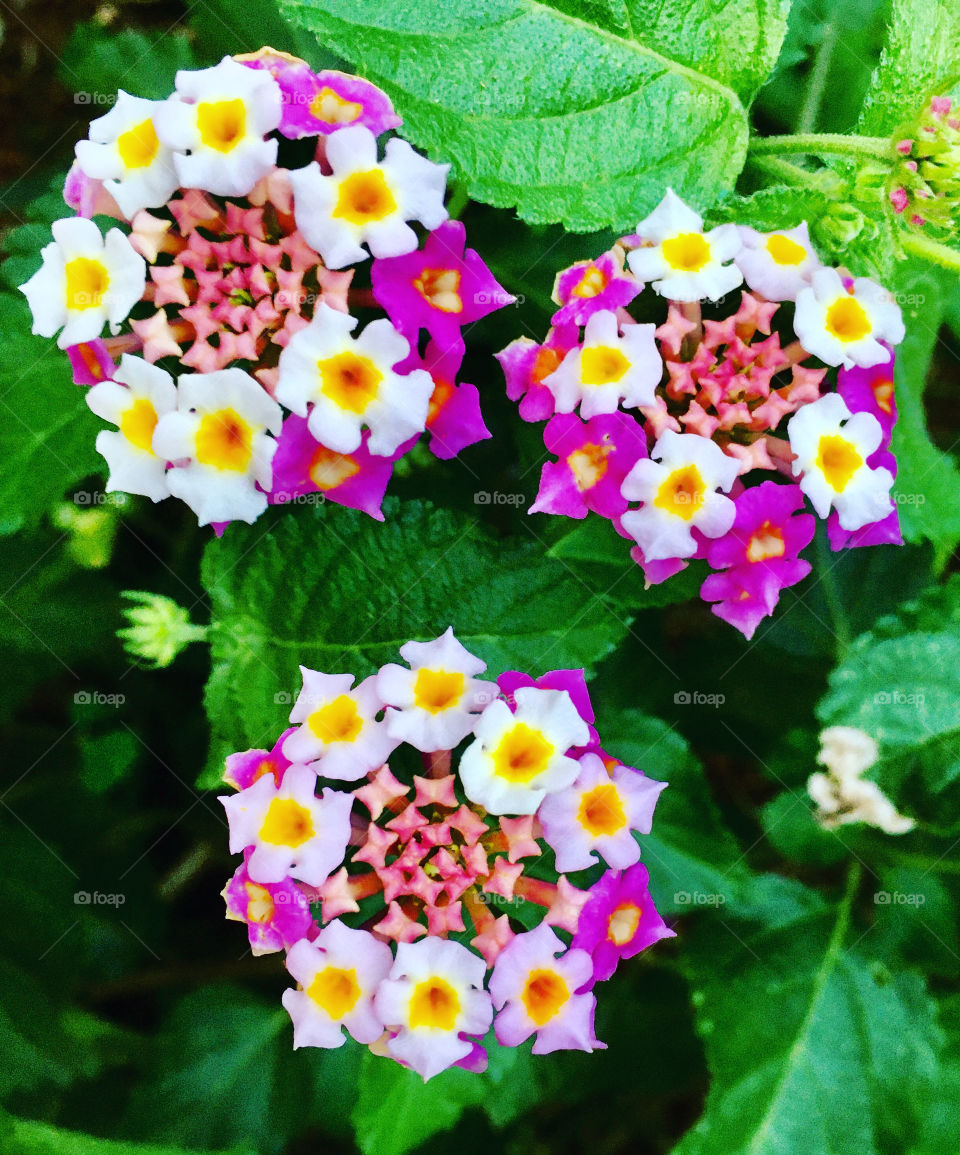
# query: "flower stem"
{"type": "Point", "coordinates": [930, 250]}
{"type": "Point", "coordinates": [787, 172]}
{"type": "Point", "coordinates": [824, 143]}
{"type": "Point", "coordinates": [813, 97]}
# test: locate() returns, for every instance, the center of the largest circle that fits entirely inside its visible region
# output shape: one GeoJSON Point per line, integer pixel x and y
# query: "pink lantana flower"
{"type": "Point", "coordinates": [758, 555]}
{"type": "Point", "coordinates": [277, 914]}
{"type": "Point", "coordinates": [440, 287]}
{"type": "Point", "coordinates": [243, 769]}
{"type": "Point", "coordinates": [454, 420]}
{"type": "Point", "coordinates": [91, 363]}
{"type": "Point", "coordinates": [537, 993]}
{"type": "Point", "coordinates": [598, 815]}
{"type": "Point", "coordinates": [574, 682]}
{"type": "Point", "coordinates": [303, 466]}
{"type": "Point", "coordinates": [593, 458]}
{"type": "Point", "coordinates": [525, 364]}
{"type": "Point", "coordinates": [589, 287]}
{"type": "Point", "coordinates": [321, 102]}
{"type": "Point", "coordinates": [619, 920]}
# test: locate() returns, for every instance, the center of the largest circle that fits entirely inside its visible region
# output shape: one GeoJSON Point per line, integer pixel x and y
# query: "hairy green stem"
{"type": "Point", "coordinates": [824, 143]}
{"type": "Point", "coordinates": [813, 98]}
{"type": "Point", "coordinates": [930, 250]}
{"type": "Point", "coordinates": [783, 170]}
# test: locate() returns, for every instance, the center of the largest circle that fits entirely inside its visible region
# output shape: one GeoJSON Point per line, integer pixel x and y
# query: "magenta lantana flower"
{"type": "Point", "coordinates": [454, 420]}
{"type": "Point", "coordinates": [589, 287]}
{"type": "Point", "coordinates": [302, 466]}
{"type": "Point", "coordinates": [440, 288]}
{"type": "Point", "coordinates": [593, 458]}
{"type": "Point", "coordinates": [277, 914]}
{"type": "Point", "coordinates": [619, 920]}
{"type": "Point", "coordinates": [758, 556]}
{"type": "Point", "coordinates": [525, 364]}
{"type": "Point", "coordinates": [413, 904]}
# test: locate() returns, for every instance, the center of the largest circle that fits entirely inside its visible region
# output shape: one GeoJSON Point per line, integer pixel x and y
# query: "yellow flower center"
{"type": "Point", "coordinates": [591, 284]}
{"type": "Point", "coordinates": [437, 690]}
{"type": "Point", "coordinates": [335, 991]}
{"type": "Point", "coordinates": [883, 392]}
{"type": "Point", "coordinates": [138, 146]}
{"type": "Point", "coordinates": [337, 721]}
{"type": "Point", "coordinates": [328, 469]}
{"type": "Point", "coordinates": [225, 441]}
{"type": "Point", "coordinates": [784, 251]}
{"type": "Point", "coordinates": [222, 123]}
{"type": "Point", "coordinates": [766, 542]}
{"type": "Point", "coordinates": [287, 823]}
{"type": "Point", "coordinates": [267, 766]}
{"type": "Point", "coordinates": [349, 381]}
{"type": "Point", "coordinates": [601, 810]}
{"type": "Point", "coordinates": [138, 423]}
{"type": "Point", "coordinates": [544, 994]}
{"type": "Point", "coordinates": [364, 197]}
{"type": "Point", "coordinates": [838, 461]}
{"type": "Point", "coordinates": [442, 392]}
{"type": "Point", "coordinates": [623, 922]}
{"type": "Point", "coordinates": [434, 1003]}
{"type": "Point", "coordinates": [522, 754]}
{"type": "Point", "coordinates": [588, 464]}
{"type": "Point", "coordinates": [259, 903]}
{"type": "Point", "coordinates": [602, 365]}
{"type": "Point", "coordinates": [86, 282]}
{"type": "Point", "coordinates": [546, 362]}
{"type": "Point", "coordinates": [331, 108]}
{"type": "Point", "coordinates": [686, 252]}
{"type": "Point", "coordinates": [847, 321]}
{"type": "Point", "coordinates": [682, 492]}
{"type": "Point", "coordinates": [440, 288]}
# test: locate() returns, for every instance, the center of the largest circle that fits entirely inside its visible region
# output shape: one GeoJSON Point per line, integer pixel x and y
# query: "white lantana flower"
{"type": "Point", "coordinates": [682, 261]}
{"type": "Point", "coordinates": [433, 996]}
{"type": "Point", "coordinates": [339, 735]}
{"type": "Point", "coordinates": [677, 485]}
{"type": "Point", "coordinates": [86, 280]}
{"type": "Point", "coordinates": [219, 445]}
{"type": "Point", "coordinates": [338, 974]}
{"type": "Point", "coordinates": [366, 201]}
{"type": "Point", "coordinates": [831, 447]}
{"type": "Point", "coordinates": [516, 759]}
{"type": "Point", "coordinates": [135, 400]}
{"type": "Point", "coordinates": [846, 328]}
{"type": "Point", "coordinates": [215, 124]}
{"type": "Point", "coordinates": [842, 796]}
{"type": "Point", "coordinates": [777, 265]}
{"type": "Point", "coordinates": [344, 383]}
{"type": "Point", "coordinates": [125, 153]}
{"type": "Point", "coordinates": [436, 700]}
{"type": "Point", "coordinates": [608, 368]}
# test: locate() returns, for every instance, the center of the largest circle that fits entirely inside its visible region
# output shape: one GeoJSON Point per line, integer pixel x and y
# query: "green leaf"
{"type": "Point", "coordinates": [396, 1110]}
{"type": "Point", "coordinates": [813, 1048]}
{"type": "Point", "coordinates": [97, 61]}
{"type": "Point", "coordinates": [900, 683]}
{"type": "Point", "coordinates": [25, 1138]}
{"type": "Point", "coordinates": [577, 115]}
{"type": "Point", "coordinates": [928, 480]}
{"type": "Point", "coordinates": [940, 1133]}
{"type": "Point", "coordinates": [781, 207]}
{"type": "Point", "coordinates": [920, 60]}
{"type": "Point", "coordinates": [338, 592]}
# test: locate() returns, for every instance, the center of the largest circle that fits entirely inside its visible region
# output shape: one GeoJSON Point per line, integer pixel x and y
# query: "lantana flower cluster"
{"type": "Point", "coordinates": [230, 327]}
{"type": "Point", "coordinates": [703, 416]}
{"type": "Point", "coordinates": [437, 853]}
